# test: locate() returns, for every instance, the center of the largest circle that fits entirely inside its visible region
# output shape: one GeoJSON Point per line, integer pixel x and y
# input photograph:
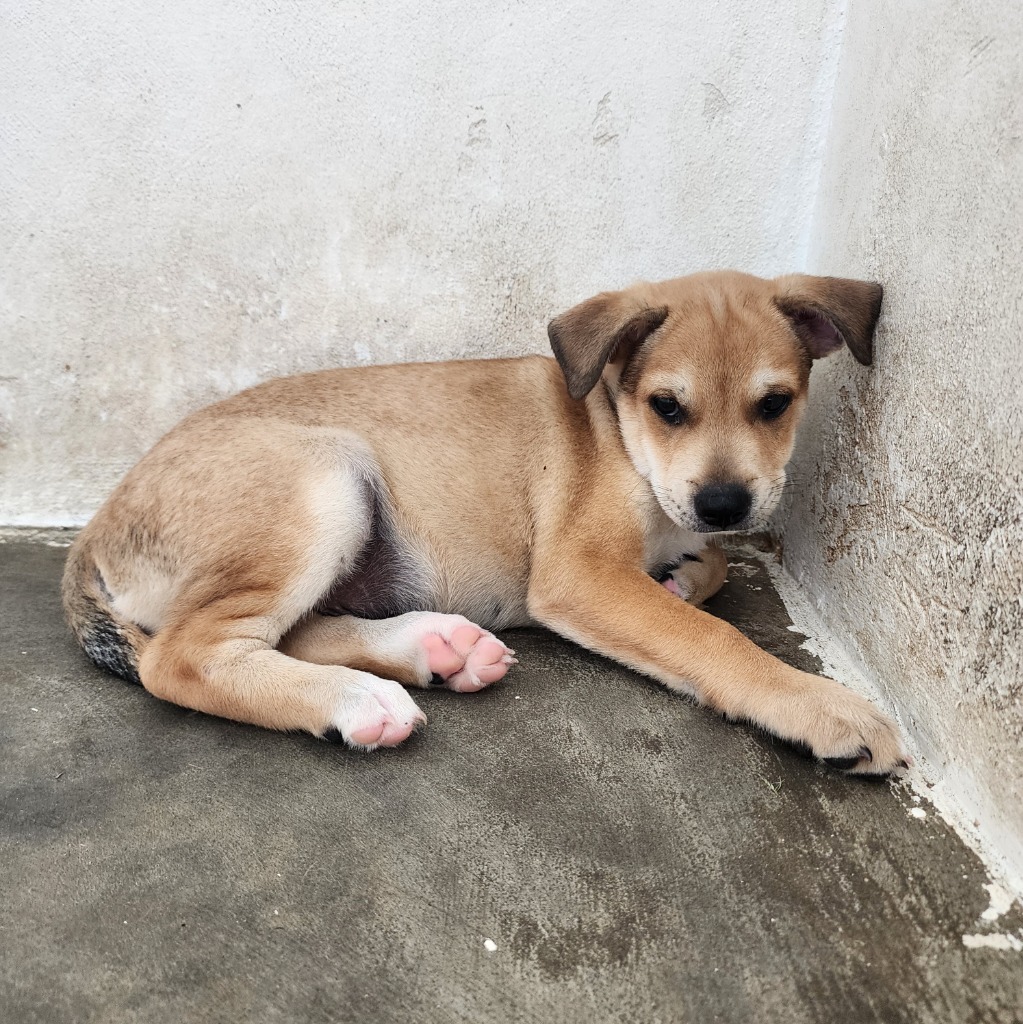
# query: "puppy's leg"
{"type": "Point", "coordinates": [622, 613]}
{"type": "Point", "coordinates": [416, 649]}
{"type": "Point", "coordinates": [271, 546]}
{"type": "Point", "coordinates": [220, 664]}
{"type": "Point", "coordinates": [698, 577]}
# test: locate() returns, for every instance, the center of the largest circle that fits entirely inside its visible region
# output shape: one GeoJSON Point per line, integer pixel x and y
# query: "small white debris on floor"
{"type": "Point", "coordinates": [918, 812]}
{"type": "Point", "coordinates": [742, 569]}
{"type": "Point", "coordinates": [1000, 940]}
{"type": "Point", "coordinates": [1000, 901]}
{"type": "Point", "coordinates": [491, 947]}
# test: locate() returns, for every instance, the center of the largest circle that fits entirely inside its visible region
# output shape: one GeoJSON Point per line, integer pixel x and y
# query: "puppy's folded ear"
{"type": "Point", "coordinates": [826, 312]}
{"type": "Point", "coordinates": [605, 329]}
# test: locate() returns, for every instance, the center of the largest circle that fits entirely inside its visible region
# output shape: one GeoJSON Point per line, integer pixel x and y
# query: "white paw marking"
{"type": "Point", "coordinates": [465, 656]}
{"type": "Point", "coordinates": [375, 713]}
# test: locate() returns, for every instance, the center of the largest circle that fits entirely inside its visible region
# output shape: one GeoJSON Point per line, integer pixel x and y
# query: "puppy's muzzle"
{"type": "Point", "coordinates": [721, 506]}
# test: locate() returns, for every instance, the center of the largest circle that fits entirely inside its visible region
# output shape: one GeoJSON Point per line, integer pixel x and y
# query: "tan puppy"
{"type": "Point", "coordinates": [295, 555]}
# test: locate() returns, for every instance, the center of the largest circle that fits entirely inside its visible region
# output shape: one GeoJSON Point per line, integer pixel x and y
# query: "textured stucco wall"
{"type": "Point", "coordinates": [906, 521]}
{"type": "Point", "coordinates": [198, 196]}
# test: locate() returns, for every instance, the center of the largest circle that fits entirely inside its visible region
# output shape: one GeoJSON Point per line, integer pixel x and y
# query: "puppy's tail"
{"type": "Point", "coordinates": [113, 643]}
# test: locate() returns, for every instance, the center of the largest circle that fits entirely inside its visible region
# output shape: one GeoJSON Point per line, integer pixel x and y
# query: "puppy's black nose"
{"type": "Point", "coordinates": [722, 505]}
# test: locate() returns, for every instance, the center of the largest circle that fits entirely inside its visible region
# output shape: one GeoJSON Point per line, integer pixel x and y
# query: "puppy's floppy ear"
{"type": "Point", "coordinates": [827, 311]}
{"type": "Point", "coordinates": [607, 328]}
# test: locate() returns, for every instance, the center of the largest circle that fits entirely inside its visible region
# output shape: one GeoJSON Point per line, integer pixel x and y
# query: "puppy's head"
{"type": "Point", "coordinates": [709, 376]}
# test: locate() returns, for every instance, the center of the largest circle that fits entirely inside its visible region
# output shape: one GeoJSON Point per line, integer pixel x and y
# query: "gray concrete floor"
{"type": "Point", "coordinates": [632, 856]}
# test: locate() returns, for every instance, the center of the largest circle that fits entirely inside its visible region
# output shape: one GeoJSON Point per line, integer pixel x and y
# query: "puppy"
{"type": "Point", "coordinates": [297, 555]}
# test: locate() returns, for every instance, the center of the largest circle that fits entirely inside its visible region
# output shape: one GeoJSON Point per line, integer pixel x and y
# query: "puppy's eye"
{"type": "Point", "coordinates": [667, 408]}
{"type": "Point", "coordinates": [772, 406]}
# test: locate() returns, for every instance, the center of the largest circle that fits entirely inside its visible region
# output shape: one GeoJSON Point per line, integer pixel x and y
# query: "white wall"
{"type": "Point", "coordinates": [201, 195]}
{"type": "Point", "coordinates": [906, 520]}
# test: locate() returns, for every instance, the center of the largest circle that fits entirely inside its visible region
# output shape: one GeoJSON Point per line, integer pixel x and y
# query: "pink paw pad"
{"type": "Point", "coordinates": [375, 713]}
{"type": "Point", "coordinates": [385, 733]}
{"type": "Point", "coordinates": [468, 658]}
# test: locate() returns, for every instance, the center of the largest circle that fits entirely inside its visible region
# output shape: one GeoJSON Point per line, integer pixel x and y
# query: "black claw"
{"type": "Point", "coordinates": [865, 752]}
{"type": "Point", "coordinates": [842, 763]}
{"type": "Point", "coordinates": [436, 680]}
{"type": "Point", "coordinates": [333, 735]}
{"type": "Point", "coordinates": [903, 764]}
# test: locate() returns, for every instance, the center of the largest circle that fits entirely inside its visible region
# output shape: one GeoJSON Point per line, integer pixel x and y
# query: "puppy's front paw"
{"type": "Point", "coordinates": [373, 713]}
{"type": "Point", "coordinates": [843, 729]}
{"type": "Point", "coordinates": [698, 576]}
{"type": "Point", "coordinates": [677, 584]}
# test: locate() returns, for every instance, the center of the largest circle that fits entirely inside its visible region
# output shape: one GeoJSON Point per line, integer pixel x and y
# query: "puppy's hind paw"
{"type": "Point", "coordinates": [466, 658]}
{"type": "Point", "coordinates": [374, 713]}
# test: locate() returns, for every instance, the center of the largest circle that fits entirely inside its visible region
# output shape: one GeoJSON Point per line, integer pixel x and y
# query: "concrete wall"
{"type": "Point", "coordinates": [907, 514]}
{"type": "Point", "coordinates": [198, 196]}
